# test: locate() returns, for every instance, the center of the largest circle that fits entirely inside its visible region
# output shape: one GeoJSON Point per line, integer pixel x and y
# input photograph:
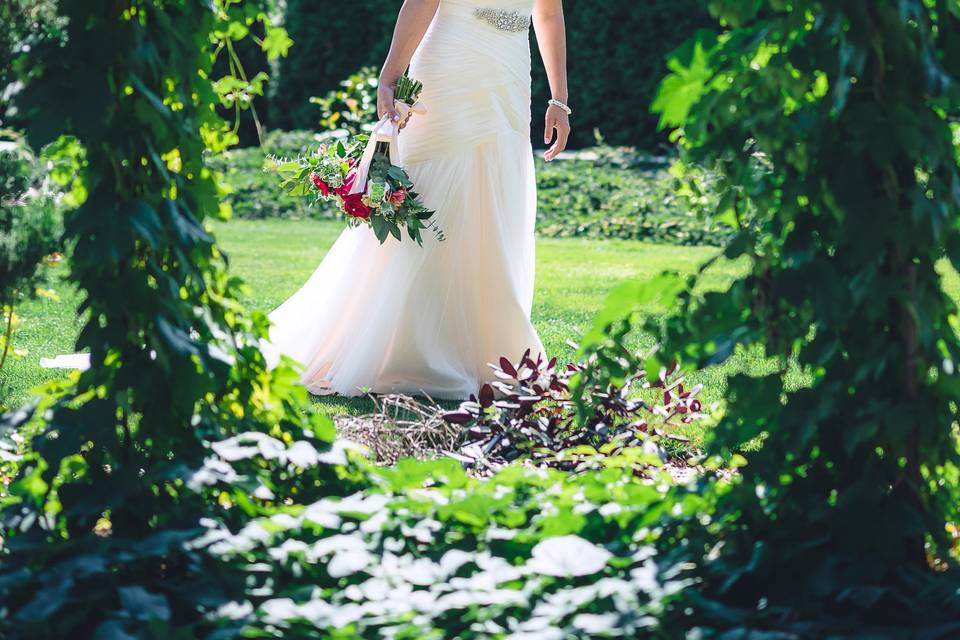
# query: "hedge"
{"type": "Point", "coordinates": [613, 196]}
{"type": "Point", "coordinates": [616, 58]}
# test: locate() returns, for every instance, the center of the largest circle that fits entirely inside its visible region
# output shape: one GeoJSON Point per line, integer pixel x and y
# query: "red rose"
{"type": "Point", "coordinates": [398, 197]}
{"type": "Point", "coordinates": [353, 206]}
{"type": "Point", "coordinates": [320, 184]}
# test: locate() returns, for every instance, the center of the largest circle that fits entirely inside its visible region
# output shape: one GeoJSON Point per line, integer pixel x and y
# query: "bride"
{"type": "Point", "coordinates": [399, 318]}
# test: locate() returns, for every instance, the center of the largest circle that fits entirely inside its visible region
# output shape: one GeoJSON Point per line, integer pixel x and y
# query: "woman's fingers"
{"type": "Point", "coordinates": [562, 130]}
{"type": "Point", "coordinates": [563, 134]}
{"type": "Point", "coordinates": [557, 130]}
{"type": "Point", "coordinates": [390, 111]}
{"type": "Point", "coordinates": [552, 152]}
{"type": "Point", "coordinates": [385, 105]}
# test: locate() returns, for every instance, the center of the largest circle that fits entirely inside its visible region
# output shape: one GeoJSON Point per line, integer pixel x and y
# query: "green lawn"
{"type": "Point", "coordinates": [573, 275]}
{"type": "Point", "coordinates": [276, 256]}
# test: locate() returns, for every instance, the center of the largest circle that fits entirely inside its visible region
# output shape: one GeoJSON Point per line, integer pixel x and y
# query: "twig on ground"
{"type": "Point", "coordinates": [400, 427]}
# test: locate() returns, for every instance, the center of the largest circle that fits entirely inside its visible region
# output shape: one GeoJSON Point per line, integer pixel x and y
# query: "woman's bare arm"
{"type": "Point", "coordinates": [552, 38]}
{"type": "Point", "coordinates": [415, 17]}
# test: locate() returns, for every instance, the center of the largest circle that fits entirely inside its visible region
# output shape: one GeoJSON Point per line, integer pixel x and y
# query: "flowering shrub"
{"type": "Point", "coordinates": [353, 107]}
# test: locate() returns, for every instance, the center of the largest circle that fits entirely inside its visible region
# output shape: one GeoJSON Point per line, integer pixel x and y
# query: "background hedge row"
{"type": "Point", "coordinates": [617, 50]}
{"type": "Point", "coordinates": [609, 195]}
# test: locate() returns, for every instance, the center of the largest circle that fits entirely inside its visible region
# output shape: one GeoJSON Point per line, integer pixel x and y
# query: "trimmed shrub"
{"type": "Point", "coordinates": [610, 197]}
{"type": "Point", "coordinates": [617, 53]}
{"type": "Point", "coordinates": [584, 198]}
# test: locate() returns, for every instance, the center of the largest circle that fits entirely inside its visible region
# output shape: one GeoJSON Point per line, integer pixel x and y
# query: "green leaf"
{"type": "Point", "coordinates": [630, 297]}
{"type": "Point", "coordinates": [688, 82]}
{"type": "Point", "coordinates": [277, 42]}
{"type": "Point", "coordinates": [143, 605]}
{"type": "Point", "coordinates": [381, 229]}
{"type": "Point", "coordinates": [395, 230]}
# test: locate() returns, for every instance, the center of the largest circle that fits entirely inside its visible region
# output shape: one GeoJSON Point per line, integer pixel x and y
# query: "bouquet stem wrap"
{"type": "Point", "coordinates": [386, 130]}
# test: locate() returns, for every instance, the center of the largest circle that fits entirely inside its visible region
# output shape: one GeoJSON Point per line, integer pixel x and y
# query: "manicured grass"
{"type": "Point", "coordinates": [276, 256]}
{"type": "Point", "coordinates": [573, 276]}
{"type": "Point", "coordinates": [46, 328]}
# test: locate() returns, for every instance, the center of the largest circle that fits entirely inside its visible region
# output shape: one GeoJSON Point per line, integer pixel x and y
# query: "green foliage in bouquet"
{"type": "Point", "coordinates": [830, 124]}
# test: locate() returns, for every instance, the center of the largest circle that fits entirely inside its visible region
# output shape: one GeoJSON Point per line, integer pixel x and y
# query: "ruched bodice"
{"type": "Point", "coordinates": [408, 319]}
{"type": "Point", "coordinates": [476, 80]}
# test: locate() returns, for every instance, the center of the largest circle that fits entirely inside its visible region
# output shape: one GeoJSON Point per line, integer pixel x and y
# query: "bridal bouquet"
{"type": "Point", "coordinates": [363, 177]}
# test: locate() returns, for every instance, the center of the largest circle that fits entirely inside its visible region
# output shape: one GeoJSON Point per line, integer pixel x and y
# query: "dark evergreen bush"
{"type": "Point", "coordinates": [616, 57]}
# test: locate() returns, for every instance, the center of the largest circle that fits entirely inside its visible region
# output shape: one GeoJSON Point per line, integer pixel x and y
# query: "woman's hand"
{"type": "Point", "coordinates": [557, 122]}
{"type": "Point", "coordinates": [385, 101]}
{"type": "Point", "coordinates": [386, 104]}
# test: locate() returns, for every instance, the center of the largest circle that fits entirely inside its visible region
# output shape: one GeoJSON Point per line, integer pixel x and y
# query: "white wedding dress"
{"type": "Point", "coordinates": [400, 318]}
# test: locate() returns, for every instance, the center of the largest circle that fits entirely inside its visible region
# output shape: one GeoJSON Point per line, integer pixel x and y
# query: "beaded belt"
{"type": "Point", "coordinates": [504, 20]}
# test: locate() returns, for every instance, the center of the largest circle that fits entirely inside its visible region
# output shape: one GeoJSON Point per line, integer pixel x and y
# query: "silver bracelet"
{"type": "Point", "coordinates": [561, 105]}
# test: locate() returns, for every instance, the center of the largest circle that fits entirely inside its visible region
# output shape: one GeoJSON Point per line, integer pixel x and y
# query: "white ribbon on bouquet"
{"type": "Point", "coordinates": [386, 130]}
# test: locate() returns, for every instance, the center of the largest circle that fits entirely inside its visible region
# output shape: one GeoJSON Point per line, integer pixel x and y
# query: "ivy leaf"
{"type": "Point", "coordinates": [736, 12]}
{"type": "Point", "coordinates": [277, 43]}
{"type": "Point", "coordinates": [395, 230]}
{"type": "Point", "coordinates": [568, 557]}
{"type": "Point", "coordinates": [689, 82]}
{"type": "Point", "coordinates": [381, 228]}
{"type": "Point", "coordinates": [661, 291]}
{"type": "Point", "coordinates": [236, 30]}
{"type": "Point", "coordinates": [143, 605]}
